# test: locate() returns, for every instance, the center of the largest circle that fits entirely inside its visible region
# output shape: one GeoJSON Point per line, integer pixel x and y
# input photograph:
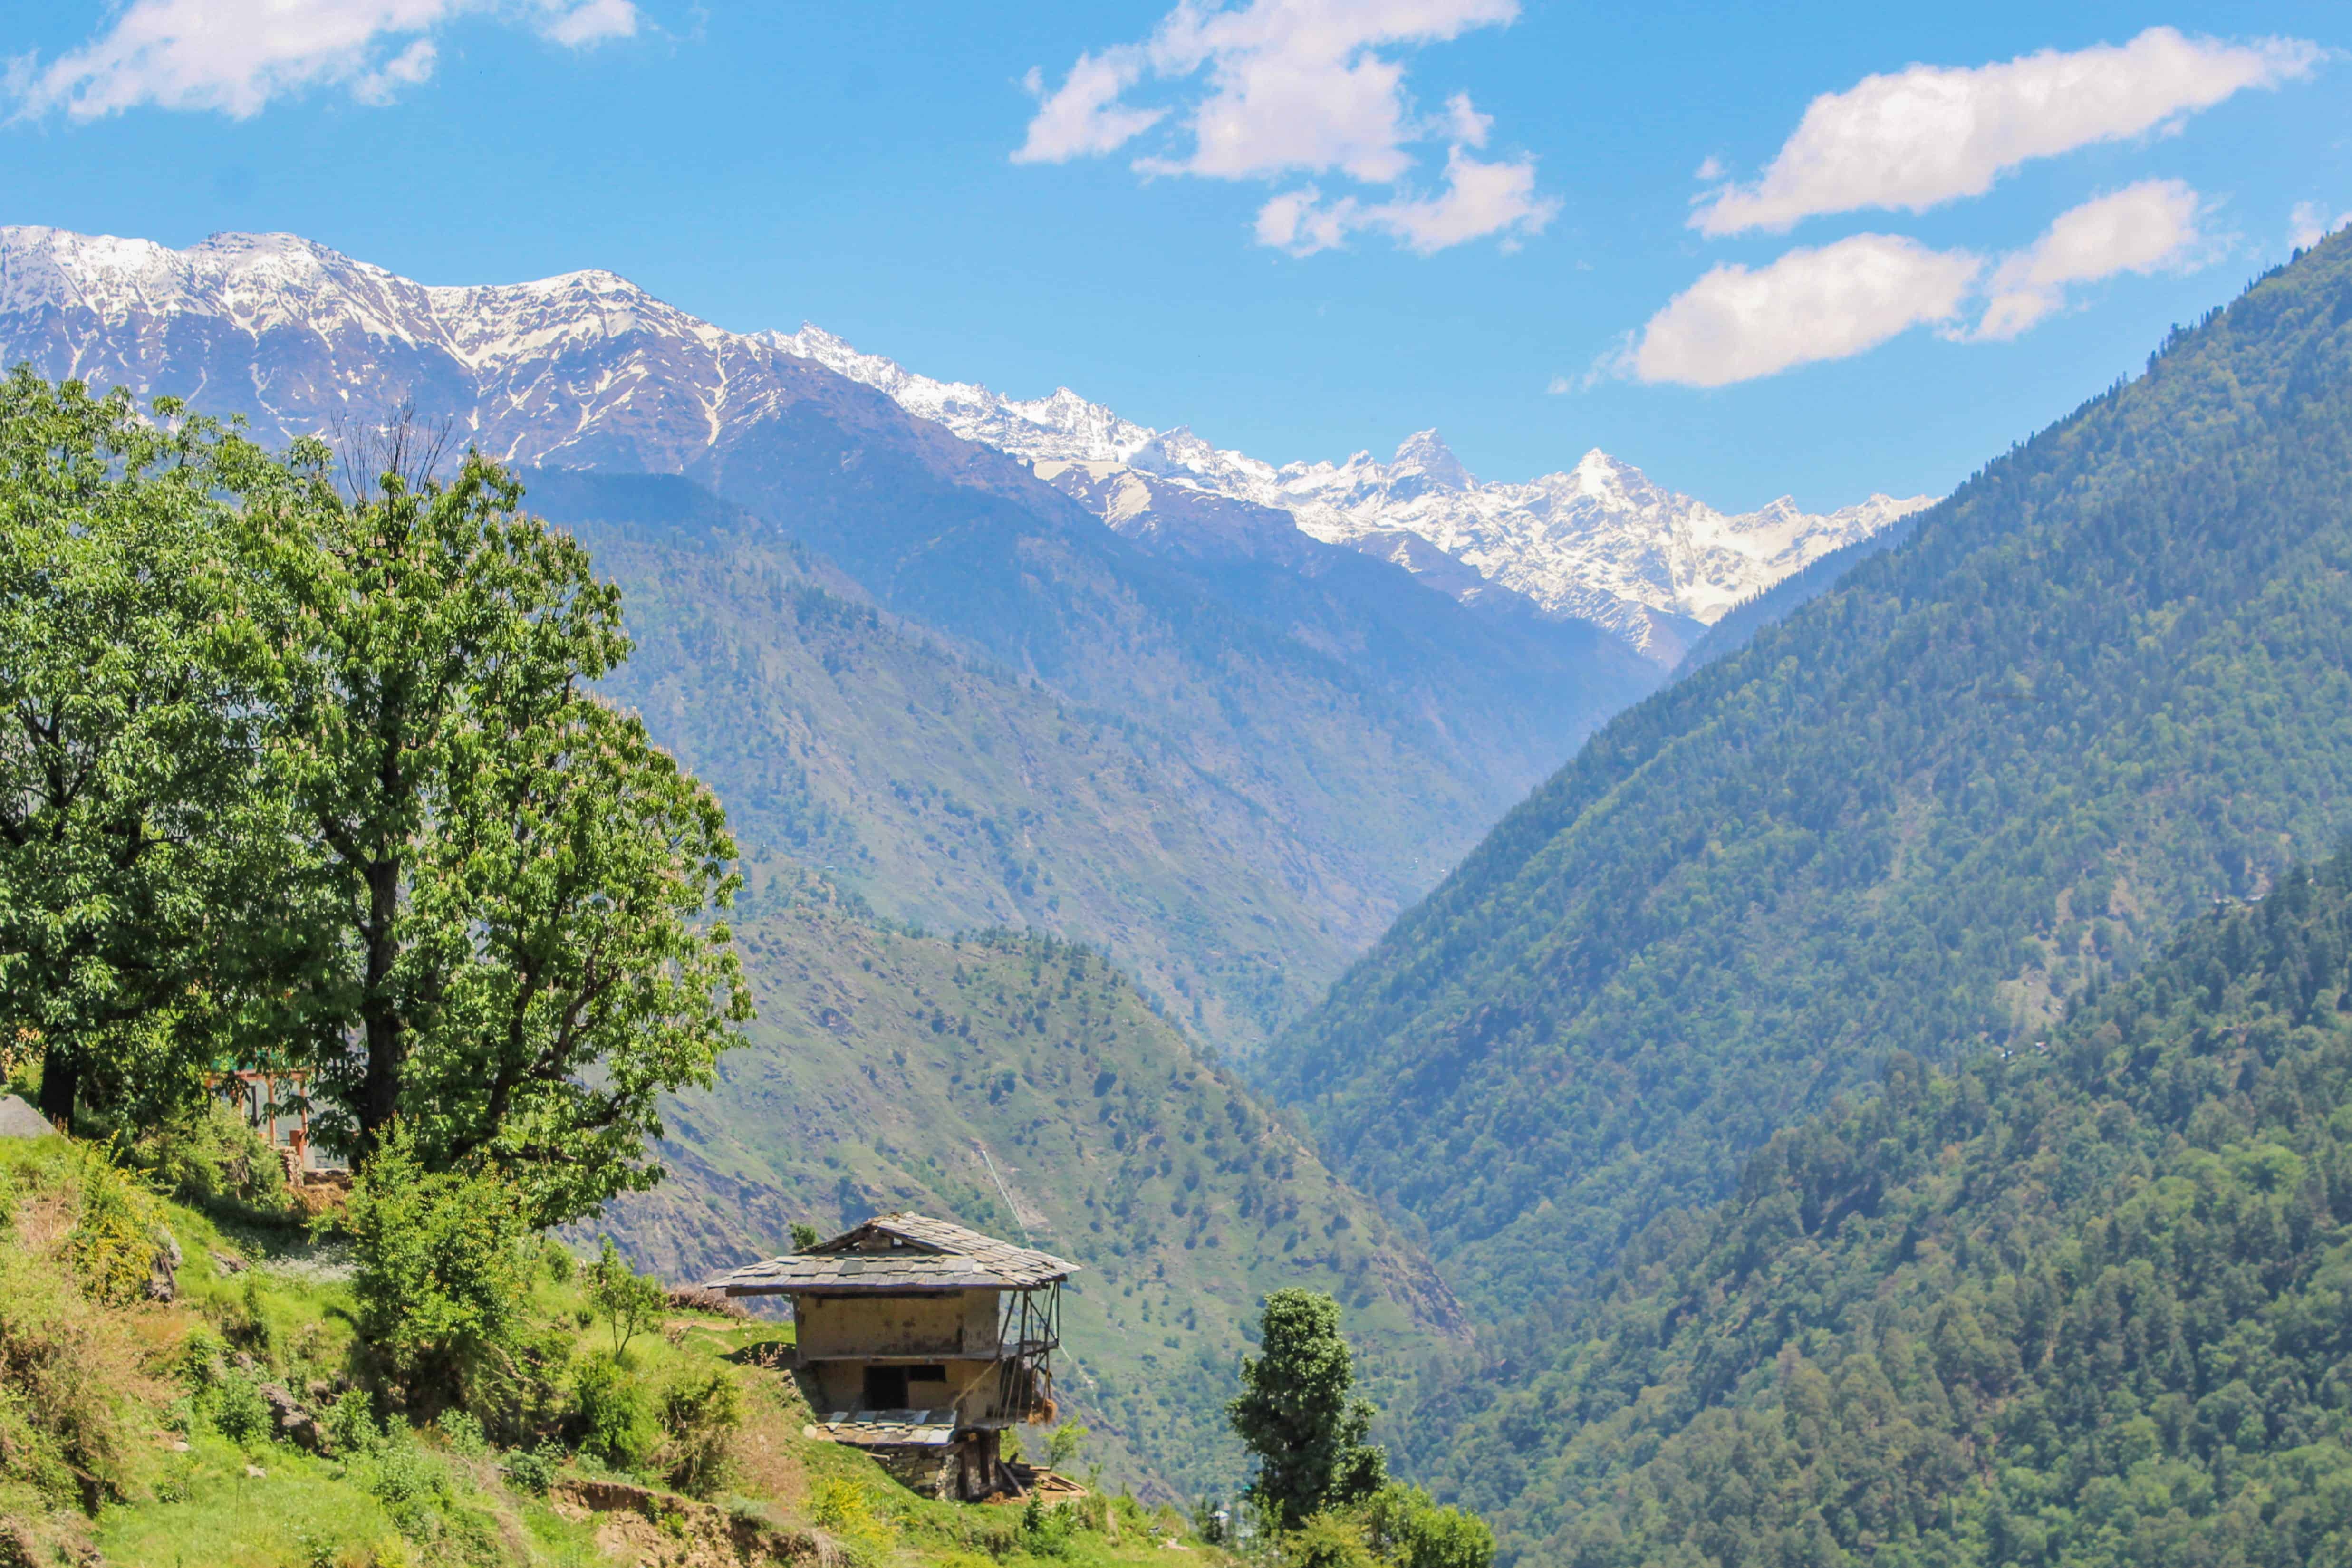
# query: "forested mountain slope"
{"type": "Point", "coordinates": [1021, 1086]}
{"type": "Point", "coordinates": [2080, 1302]}
{"type": "Point", "coordinates": [2104, 683]}
{"type": "Point", "coordinates": [945, 788]}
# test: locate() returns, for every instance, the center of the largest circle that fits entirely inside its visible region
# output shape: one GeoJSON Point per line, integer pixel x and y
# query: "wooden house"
{"type": "Point", "coordinates": [921, 1342]}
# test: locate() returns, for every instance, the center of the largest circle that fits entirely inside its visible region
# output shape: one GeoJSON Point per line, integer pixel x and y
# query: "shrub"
{"type": "Point", "coordinates": [464, 1433]}
{"type": "Point", "coordinates": [1047, 1531]}
{"type": "Point", "coordinates": [1326, 1539]}
{"type": "Point", "coordinates": [240, 1412]}
{"type": "Point", "coordinates": [442, 1273]}
{"type": "Point", "coordinates": [206, 1152]}
{"type": "Point", "coordinates": [841, 1508]}
{"type": "Point", "coordinates": [632, 1302]}
{"type": "Point", "coordinates": [112, 1243]}
{"type": "Point", "coordinates": [614, 1417]}
{"type": "Point", "coordinates": [350, 1424]}
{"type": "Point", "coordinates": [1062, 1446]}
{"type": "Point", "coordinates": [1405, 1528]}
{"type": "Point", "coordinates": [700, 1415]}
{"type": "Point", "coordinates": [529, 1470]}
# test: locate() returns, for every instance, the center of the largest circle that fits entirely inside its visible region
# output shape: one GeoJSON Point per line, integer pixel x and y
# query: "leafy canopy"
{"type": "Point", "coordinates": [518, 877]}
{"type": "Point", "coordinates": [144, 855]}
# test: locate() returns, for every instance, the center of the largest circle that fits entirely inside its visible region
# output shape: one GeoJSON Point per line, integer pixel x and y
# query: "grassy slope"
{"type": "Point", "coordinates": [422, 1501]}
{"type": "Point", "coordinates": [2104, 683]}
{"type": "Point", "coordinates": [889, 1071]}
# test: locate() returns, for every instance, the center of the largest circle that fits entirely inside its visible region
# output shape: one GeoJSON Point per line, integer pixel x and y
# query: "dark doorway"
{"type": "Point", "coordinates": [885, 1388]}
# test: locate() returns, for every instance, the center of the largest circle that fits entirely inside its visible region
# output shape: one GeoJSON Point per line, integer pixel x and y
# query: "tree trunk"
{"type": "Point", "coordinates": [61, 1083]}
{"type": "Point", "coordinates": [378, 1009]}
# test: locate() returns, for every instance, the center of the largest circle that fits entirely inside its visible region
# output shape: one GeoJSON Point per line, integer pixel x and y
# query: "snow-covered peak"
{"type": "Point", "coordinates": [1425, 456]}
{"type": "Point", "coordinates": [1600, 541]}
{"type": "Point", "coordinates": [586, 368]}
{"type": "Point", "coordinates": [1060, 427]}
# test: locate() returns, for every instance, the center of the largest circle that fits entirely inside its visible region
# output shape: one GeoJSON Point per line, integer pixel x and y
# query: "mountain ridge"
{"type": "Point", "coordinates": [1598, 542]}
{"type": "Point", "coordinates": [2093, 689]}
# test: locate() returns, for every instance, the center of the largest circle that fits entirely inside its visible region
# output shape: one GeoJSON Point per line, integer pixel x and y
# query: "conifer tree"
{"type": "Point", "coordinates": [1295, 1414]}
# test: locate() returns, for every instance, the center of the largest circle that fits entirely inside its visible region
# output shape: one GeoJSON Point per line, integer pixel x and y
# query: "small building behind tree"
{"type": "Point", "coordinates": [920, 1341]}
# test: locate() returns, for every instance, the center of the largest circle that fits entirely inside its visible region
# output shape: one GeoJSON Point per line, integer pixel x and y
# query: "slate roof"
{"type": "Point", "coordinates": [930, 1428]}
{"type": "Point", "coordinates": [902, 1251]}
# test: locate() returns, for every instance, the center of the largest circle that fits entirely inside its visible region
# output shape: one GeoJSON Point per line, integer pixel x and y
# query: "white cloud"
{"type": "Point", "coordinates": [2309, 224]}
{"type": "Point", "coordinates": [2141, 228]}
{"type": "Point", "coordinates": [1479, 199]}
{"type": "Point", "coordinates": [1931, 134]}
{"type": "Point", "coordinates": [1084, 117]}
{"type": "Point", "coordinates": [1268, 89]}
{"type": "Point", "coordinates": [1736, 324]}
{"type": "Point", "coordinates": [1559, 386]}
{"type": "Point", "coordinates": [235, 55]}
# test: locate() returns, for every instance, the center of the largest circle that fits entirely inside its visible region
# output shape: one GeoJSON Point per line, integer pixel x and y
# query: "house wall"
{"type": "Point", "coordinates": [944, 1323]}
{"type": "Point", "coordinates": [840, 1388]}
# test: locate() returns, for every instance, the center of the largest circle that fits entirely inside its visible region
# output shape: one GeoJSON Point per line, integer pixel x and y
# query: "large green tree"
{"type": "Point", "coordinates": [519, 882]}
{"type": "Point", "coordinates": [144, 859]}
{"type": "Point", "coordinates": [1296, 1415]}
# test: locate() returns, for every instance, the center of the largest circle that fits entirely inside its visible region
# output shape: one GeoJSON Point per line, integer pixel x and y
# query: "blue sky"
{"type": "Point", "coordinates": [1301, 227]}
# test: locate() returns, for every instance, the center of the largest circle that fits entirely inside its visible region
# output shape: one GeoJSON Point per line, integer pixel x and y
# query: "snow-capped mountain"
{"type": "Point", "coordinates": [1599, 542]}
{"type": "Point", "coordinates": [587, 371]}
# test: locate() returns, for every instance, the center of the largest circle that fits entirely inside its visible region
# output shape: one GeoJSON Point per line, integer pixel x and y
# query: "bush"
{"type": "Point", "coordinates": [1326, 1539]}
{"type": "Point", "coordinates": [464, 1433]}
{"type": "Point", "coordinates": [1062, 1446]}
{"type": "Point", "coordinates": [700, 1415]}
{"type": "Point", "coordinates": [1405, 1528]}
{"type": "Point", "coordinates": [112, 1244]}
{"type": "Point", "coordinates": [350, 1424]}
{"type": "Point", "coordinates": [632, 1302]}
{"type": "Point", "coordinates": [613, 1416]}
{"type": "Point", "coordinates": [442, 1276]}
{"type": "Point", "coordinates": [1047, 1531]}
{"type": "Point", "coordinates": [240, 1412]}
{"type": "Point", "coordinates": [207, 1152]}
{"type": "Point", "coordinates": [529, 1470]}
{"type": "Point", "coordinates": [841, 1508]}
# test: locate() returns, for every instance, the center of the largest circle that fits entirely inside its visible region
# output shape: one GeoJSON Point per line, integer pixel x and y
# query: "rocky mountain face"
{"type": "Point", "coordinates": [1599, 543]}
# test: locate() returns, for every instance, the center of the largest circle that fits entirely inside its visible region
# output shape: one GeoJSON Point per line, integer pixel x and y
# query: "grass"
{"type": "Point", "coordinates": [188, 1485]}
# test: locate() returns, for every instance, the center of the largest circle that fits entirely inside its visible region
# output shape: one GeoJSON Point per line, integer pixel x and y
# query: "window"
{"type": "Point", "coordinates": [933, 1374]}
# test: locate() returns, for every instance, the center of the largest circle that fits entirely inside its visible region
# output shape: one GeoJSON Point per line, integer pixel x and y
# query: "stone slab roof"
{"type": "Point", "coordinates": [870, 1429]}
{"type": "Point", "coordinates": [903, 1251]}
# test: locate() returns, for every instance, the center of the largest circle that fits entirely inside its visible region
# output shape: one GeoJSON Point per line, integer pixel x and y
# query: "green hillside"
{"type": "Point", "coordinates": [2081, 1302]}
{"type": "Point", "coordinates": [2103, 683]}
{"type": "Point", "coordinates": [945, 791]}
{"type": "Point", "coordinates": [1021, 1086]}
{"type": "Point", "coordinates": [1233, 788]}
{"type": "Point", "coordinates": [230, 1427]}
